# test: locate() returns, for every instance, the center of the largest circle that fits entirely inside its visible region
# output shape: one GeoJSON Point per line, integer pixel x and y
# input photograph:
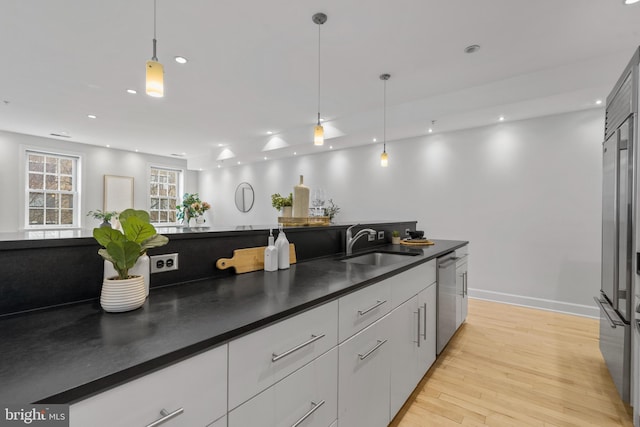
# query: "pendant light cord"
{"type": "Point", "coordinates": [319, 75]}
{"type": "Point", "coordinates": [155, 58]}
{"type": "Point", "coordinates": [384, 119]}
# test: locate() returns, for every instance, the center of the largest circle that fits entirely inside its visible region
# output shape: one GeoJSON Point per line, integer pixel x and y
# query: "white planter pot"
{"type": "Point", "coordinates": [141, 268]}
{"type": "Point", "coordinates": [122, 295]}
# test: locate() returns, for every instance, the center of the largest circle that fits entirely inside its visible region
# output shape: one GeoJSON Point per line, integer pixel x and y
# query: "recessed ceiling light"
{"type": "Point", "coordinates": [137, 150]}
{"type": "Point", "coordinates": [331, 147]}
{"type": "Point", "coordinates": [219, 166]}
{"type": "Point", "coordinates": [472, 48]}
{"type": "Point", "coordinates": [92, 116]}
{"type": "Point", "coordinates": [238, 161]}
{"type": "Point", "coordinates": [132, 91]}
{"type": "Point", "coordinates": [375, 140]}
{"type": "Point", "coordinates": [501, 118]}
{"type": "Point", "coordinates": [220, 145]}
{"type": "Point", "coordinates": [631, 1]}
{"type": "Point", "coordinates": [108, 146]}
{"type": "Point", "coordinates": [200, 168]}
{"type": "Point", "coordinates": [269, 132]}
{"type": "Point", "coordinates": [295, 153]}
{"type": "Point", "coordinates": [599, 101]}
{"type": "Point", "coordinates": [181, 59]}
{"type": "Point", "coordinates": [265, 157]}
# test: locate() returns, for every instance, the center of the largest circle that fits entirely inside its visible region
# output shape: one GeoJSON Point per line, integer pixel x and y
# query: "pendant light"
{"type": "Point", "coordinates": [155, 70]}
{"type": "Point", "coordinates": [318, 133]}
{"type": "Point", "coordinates": [384, 157]}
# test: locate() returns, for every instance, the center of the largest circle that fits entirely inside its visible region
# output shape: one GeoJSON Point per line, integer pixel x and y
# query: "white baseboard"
{"type": "Point", "coordinates": [543, 304]}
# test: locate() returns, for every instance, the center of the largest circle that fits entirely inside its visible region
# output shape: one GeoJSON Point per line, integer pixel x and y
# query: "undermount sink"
{"type": "Point", "coordinates": [379, 258]}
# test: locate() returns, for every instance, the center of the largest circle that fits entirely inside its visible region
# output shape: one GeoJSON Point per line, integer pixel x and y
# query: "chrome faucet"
{"type": "Point", "coordinates": [359, 234]}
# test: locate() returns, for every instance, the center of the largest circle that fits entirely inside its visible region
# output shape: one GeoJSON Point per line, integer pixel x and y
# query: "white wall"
{"type": "Point", "coordinates": [526, 195]}
{"type": "Point", "coordinates": [96, 162]}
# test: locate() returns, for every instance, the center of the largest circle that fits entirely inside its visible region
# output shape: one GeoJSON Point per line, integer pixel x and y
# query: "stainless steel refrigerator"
{"type": "Point", "coordinates": [618, 227]}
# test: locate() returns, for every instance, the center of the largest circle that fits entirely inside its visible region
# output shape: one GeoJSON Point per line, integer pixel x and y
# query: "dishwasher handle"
{"type": "Point", "coordinates": [447, 263]}
{"type": "Point", "coordinates": [612, 322]}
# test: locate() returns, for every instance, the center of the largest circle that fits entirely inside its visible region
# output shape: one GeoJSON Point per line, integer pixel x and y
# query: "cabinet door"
{"type": "Point", "coordinates": [198, 385]}
{"type": "Point", "coordinates": [460, 273]}
{"type": "Point", "coordinates": [359, 309]}
{"type": "Point", "coordinates": [363, 380]}
{"type": "Point", "coordinates": [262, 358]}
{"type": "Point", "coordinates": [406, 323]}
{"type": "Point", "coordinates": [427, 351]}
{"type": "Point", "coordinates": [306, 398]}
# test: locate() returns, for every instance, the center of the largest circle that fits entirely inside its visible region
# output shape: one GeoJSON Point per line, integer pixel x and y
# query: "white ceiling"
{"type": "Point", "coordinates": [253, 68]}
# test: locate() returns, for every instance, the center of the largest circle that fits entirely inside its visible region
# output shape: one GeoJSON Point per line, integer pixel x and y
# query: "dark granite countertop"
{"type": "Point", "coordinates": [64, 354]}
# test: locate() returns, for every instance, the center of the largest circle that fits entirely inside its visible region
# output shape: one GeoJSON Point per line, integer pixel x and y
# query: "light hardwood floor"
{"type": "Point", "coordinates": [516, 366]}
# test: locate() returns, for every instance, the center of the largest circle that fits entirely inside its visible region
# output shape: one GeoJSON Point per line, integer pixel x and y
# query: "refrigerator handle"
{"type": "Point", "coordinates": [613, 323]}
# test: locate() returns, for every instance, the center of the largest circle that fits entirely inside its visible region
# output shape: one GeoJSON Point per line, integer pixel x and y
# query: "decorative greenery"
{"type": "Point", "coordinates": [278, 202]}
{"type": "Point", "coordinates": [103, 215]}
{"type": "Point", "coordinates": [395, 233]}
{"type": "Point", "coordinates": [331, 210]}
{"type": "Point", "coordinates": [191, 207]}
{"type": "Point", "coordinates": [122, 249]}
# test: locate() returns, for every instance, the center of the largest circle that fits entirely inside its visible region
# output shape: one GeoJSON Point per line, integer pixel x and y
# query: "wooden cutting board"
{"type": "Point", "coordinates": [250, 259]}
{"type": "Point", "coordinates": [416, 242]}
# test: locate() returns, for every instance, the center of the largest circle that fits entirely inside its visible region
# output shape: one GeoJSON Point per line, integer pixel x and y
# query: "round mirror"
{"type": "Point", "coordinates": [244, 197]}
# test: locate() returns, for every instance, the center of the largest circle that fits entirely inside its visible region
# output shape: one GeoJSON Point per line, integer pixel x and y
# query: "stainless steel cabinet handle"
{"type": "Point", "coordinates": [376, 305]}
{"type": "Point", "coordinates": [314, 338]}
{"type": "Point", "coordinates": [368, 353]}
{"type": "Point", "coordinates": [424, 330]}
{"type": "Point", "coordinates": [308, 414]}
{"type": "Point", "coordinates": [466, 283]}
{"type": "Point", "coordinates": [166, 416]}
{"type": "Point", "coordinates": [613, 323]}
{"type": "Point", "coordinates": [638, 325]}
{"type": "Point", "coordinates": [418, 313]}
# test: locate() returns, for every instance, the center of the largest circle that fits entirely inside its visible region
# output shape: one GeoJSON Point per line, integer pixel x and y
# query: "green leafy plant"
{"type": "Point", "coordinates": [395, 233]}
{"type": "Point", "coordinates": [331, 210]}
{"type": "Point", "coordinates": [278, 202]}
{"type": "Point", "coordinates": [191, 207]}
{"type": "Point", "coordinates": [103, 215]}
{"type": "Point", "coordinates": [123, 248]}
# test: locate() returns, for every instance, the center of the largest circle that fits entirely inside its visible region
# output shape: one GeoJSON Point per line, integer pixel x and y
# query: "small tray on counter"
{"type": "Point", "coordinates": [416, 242]}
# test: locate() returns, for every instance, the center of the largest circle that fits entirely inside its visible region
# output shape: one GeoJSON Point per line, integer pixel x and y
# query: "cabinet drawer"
{"type": "Point", "coordinates": [198, 385]}
{"type": "Point", "coordinates": [408, 283]}
{"type": "Point", "coordinates": [308, 396]}
{"type": "Point", "coordinates": [260, 359]}
{"type": "Point", "coordinates": [361, 308]}
{"type": "Point", "coordinates": [364, 367]}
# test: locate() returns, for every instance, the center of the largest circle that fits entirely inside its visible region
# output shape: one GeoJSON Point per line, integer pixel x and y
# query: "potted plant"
{"type": "Point", "coordinates": [283, 204]}
{"type": "Point", "coordinates": [395, 237]}
{"type": "Point", "coordinates": [191, 207]}
{"type": "Point", "coordinates": [331, 210]}
{"type": "Point", "coordinates": [122, 249]}
{"type": "Point", "coordinates": [104, 216]}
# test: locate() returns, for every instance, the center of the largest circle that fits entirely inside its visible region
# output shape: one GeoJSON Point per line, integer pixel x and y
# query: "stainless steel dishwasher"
{"type": "Point", "coordinates": [446, 308]}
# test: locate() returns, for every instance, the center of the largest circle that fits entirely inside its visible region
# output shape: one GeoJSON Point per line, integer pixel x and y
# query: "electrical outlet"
{"type": "Point", "coordinates": [162, 263]}
{"type": "Point", "coordinates": [380, 235]}
{"type": "Point", "coordinates": [371, 237]}
{"type": "Point", "coordinates": [406, 231]}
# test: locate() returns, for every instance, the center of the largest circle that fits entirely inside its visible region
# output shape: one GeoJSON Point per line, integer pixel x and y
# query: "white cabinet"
{"type": "Point", "coordinates": [364, 363]}
{"type": "Point", "coordinates": [361, 308]}
{"type": "Point", "coordinates": [197, 385]}
{"type": "Point", "coordinates": [408, 283]}
{"type": "Point", "coordinates": [413, 344]}
{"type": "Point", "coordinates": [222, 422]}
{"type": "Point", "coordinates": [262, 358]}
{"type": "Point", "coordinates": [308, 398]}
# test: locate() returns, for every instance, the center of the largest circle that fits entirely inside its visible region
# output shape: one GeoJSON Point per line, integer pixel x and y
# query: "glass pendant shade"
{"type": "Point", "coordinates": [318, 135]}
{"type": "Point", "coordinates": [384, 159]}
{"type": "Point", "coordinates": [155, 79]}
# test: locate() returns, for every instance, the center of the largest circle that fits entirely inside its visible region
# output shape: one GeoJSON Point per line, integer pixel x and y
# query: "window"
{"type": "Point", "coordinates": [165, 186]}
{"type": "Point", "coordinates": [52, 190]}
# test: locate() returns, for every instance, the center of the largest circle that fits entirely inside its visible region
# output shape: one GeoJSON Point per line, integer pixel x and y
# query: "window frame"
{"type": "Point", "coordinates": [179, 189]}
{"type": "Point", "coordinates": [77, 159]}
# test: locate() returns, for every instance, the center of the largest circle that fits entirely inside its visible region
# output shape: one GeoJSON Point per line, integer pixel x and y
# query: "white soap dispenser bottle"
{"type": "Point", "coordinates": [282, 245]}
{"type": "Point", "coordinates": [270, 255]}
